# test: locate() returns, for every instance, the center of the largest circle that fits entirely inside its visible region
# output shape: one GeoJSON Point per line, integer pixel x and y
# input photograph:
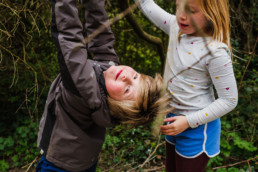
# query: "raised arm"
{"type": "Point", "coordinates": [102, 45]}
{"type": "Point", "coordinates": [156, 15]}
{"type": "Point", "coordinates": [77, 74]}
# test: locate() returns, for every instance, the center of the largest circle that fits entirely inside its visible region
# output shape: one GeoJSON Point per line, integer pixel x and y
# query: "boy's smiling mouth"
{"type": "Point", "coordinates": [117, 75]}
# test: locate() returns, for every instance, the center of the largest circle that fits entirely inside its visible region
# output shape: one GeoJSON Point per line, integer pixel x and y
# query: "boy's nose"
{"type": "Point", "coordinates": [126, 78]}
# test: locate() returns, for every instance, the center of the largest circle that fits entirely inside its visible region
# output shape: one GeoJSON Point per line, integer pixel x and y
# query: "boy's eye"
{"type": "Point", "coordinates": [127, 89]}
{"type": "Point", "coordinates": [136, 76]}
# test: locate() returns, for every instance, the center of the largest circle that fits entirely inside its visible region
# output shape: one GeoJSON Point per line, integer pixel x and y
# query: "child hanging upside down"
{"type": "Point", "coordinates": [90, 95]}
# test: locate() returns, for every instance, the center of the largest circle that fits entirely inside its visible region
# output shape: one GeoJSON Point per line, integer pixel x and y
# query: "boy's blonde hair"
{"type": "Point", "coordinates": [151, 103]}
{"type": "Point", "coordinates": [217, 14]}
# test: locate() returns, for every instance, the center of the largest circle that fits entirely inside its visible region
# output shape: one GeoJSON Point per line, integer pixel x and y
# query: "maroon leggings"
{"type": "Point", "coordinates": [177, 163]}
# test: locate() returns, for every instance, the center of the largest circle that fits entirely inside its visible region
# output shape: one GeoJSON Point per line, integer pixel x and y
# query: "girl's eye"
{"type": "Point", "coordinates": [178, 7]}
{"type": "Point", "coordinates": [192, 11]}
{"type": "Point", "coordinates": [136, 76]}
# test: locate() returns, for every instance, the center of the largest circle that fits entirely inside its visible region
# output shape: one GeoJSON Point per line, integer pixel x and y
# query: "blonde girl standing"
{"type": "Point", "coordinates": [198, 58]}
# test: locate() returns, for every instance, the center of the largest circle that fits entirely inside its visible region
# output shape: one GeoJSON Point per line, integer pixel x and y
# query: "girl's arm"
{"type": "Point", "coordinates": [222, 75]}
{"type": "Point", "coordinates": [156, 15]}
{"type": "Point", "coordinates": [102, 45]}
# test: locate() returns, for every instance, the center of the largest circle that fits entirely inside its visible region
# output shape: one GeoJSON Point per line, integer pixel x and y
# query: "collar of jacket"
{"type": "Point", "coordinates": [99, 68]}
{"type": "Point", "coordinates": [102, 82]}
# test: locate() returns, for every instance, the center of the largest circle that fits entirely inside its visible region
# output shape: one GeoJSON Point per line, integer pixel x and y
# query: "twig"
{"type": "Point", "coordinates": [107, 24]}
{"type": "Point", "coordinates": [118, 169]}
{"type": "Point", "coordinates": [239, 58]}
{"type": "Point", "coordinates": [144, 35]}
{"type": "Point", "coordinates": [154, 169]}
{"type": "Point", "coordinates": [252, 55]}
{"type": "Point", "coordinates": [113, 167]}
{"type": "Point", "coordinates": [231, 165]}
{"type": "Point", "coordinates": [31, 164]}
{"type": "Point", "coordinates": [149, 157]}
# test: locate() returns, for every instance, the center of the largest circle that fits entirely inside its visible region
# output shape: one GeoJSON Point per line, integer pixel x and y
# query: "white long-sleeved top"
{"type": "Point", "coordinates": [192, 90]}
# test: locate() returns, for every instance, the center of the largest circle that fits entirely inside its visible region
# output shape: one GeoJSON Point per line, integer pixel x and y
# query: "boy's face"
{"type": "Point", "coordinates": [122, 82]}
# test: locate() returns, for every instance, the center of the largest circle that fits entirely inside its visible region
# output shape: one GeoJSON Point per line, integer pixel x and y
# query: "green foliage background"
{"type": "Point", "coordinates": [28, 64]}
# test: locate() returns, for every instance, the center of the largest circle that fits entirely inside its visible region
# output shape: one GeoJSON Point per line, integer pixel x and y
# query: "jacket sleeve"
{"type": "Point", "coordinates": [102, 45]}
{"type": "Point", "coordinates": [77, 73]}
{"type": "Point", "coordinates": [72, 55]}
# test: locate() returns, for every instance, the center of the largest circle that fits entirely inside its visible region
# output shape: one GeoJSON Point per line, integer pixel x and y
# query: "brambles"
{"type": "Point", "coordinates": [28, 64]}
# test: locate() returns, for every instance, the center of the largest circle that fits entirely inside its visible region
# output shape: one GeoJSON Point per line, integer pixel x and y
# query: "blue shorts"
{"type": "Point", "coordinates": [45, 166]}
{"type": "Point", "coordinates": [194, 141]}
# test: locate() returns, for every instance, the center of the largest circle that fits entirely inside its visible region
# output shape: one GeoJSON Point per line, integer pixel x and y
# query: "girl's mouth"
{"type": "Point", "coordinates": [183, 25]}
{"type": "Point", "coordinates": [117, 75]}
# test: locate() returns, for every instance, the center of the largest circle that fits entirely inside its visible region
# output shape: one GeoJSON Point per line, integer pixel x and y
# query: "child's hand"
{"type": "Point", "coordinates": [178, 125]}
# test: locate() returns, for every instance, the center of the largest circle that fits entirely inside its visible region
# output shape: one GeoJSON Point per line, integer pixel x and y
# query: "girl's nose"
{"type": "Point", "coordinates": [183, 15]}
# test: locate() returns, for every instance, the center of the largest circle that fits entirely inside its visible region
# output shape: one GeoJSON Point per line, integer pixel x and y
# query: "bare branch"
{"type": "Point", "coordinates": [144, 35]}
{"type": "Point", "coordinates": [251, 57]}
{"type": "Point", "coordinates": [231, 165]}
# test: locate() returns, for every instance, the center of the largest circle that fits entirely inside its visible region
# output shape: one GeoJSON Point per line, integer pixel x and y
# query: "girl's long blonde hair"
{"type": "Point", "coordinates": [217, 14]}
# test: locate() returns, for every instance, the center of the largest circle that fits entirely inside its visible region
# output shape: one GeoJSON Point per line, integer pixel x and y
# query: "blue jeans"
{"type": "Point", "coordinates": [45, 166]}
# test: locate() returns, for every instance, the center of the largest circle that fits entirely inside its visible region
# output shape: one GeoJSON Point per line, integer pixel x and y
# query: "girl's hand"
{"type": "Point", "coordinates": [178, 125]}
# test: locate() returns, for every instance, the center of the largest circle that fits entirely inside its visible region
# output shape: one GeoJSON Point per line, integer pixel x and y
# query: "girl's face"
{"type": "Point", "coordinates": [189, 16]}
{"type": "Point", "coordinates": [122, 82]}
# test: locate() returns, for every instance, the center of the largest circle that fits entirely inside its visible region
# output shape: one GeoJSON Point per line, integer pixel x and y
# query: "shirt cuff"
{"type": "Point", "coordinates": [192, 121]}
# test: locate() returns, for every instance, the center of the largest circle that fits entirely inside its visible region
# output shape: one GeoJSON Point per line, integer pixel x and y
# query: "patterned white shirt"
{"type": "Point", "coordinates": [205, 63]}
